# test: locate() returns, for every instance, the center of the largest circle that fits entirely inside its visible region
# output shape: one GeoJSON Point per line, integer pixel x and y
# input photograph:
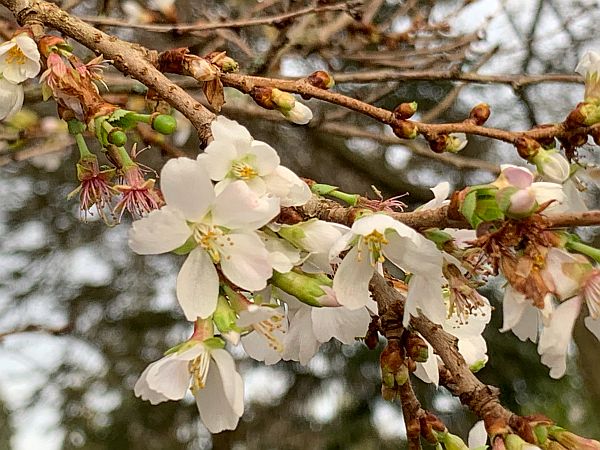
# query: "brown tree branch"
{"type": "Point", "coordinates": [130, 59]}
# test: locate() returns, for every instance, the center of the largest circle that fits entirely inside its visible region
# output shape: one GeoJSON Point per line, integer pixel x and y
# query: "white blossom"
{"type": "Point", "coordinates": [268, 326]}
{"type": "Point", "coordinates": [300, 114]}
{"type": "Point", "coordinates": [552, 165]}
{"type": "Point", "coordinates": [19, 59]}
{"type": "Point", "coordinates": [235, 155]}
{"type": "Point", "coordinates": [216, 385]}
{"type": "Point", "coordinates": [11, 98]}
{"type": "Point", "coordinates": [377, 237]}
{"type": "Point", "coordinates": [221, 228]}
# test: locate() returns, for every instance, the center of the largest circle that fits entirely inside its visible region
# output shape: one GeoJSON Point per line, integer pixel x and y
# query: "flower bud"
{"type": "Point", "coordinates": [572, 441]}
{"type": "Point", "coordinates": [552, 165]}
{"type": "Point", "coordinates": [589, 68]}
{"type": "Point", "coordinates": [223, 62]}
{"type": "Point", "coordinates": [225, 319]}
{"type": "Point", "coordinates": [263, 97]}
{"type": "Point", "coordinates": [527, 147]}
{"type": "Point", "coordinates": [405, 110]}
{"type": "Point", "coordinates": [452, 442]}
{"type": "Point", "coordinates": [309, 290]}
{"type": "Point", "coordinates": [321, 80]}
{"type": "Point", "coordinates": [452, 143]}
{"type": "Point", "coordinates": [514, 442]}
{"type": "Point", "coordinates": [416, 348]}
{"type": "Point", "coordinates": [405, 129]}
{"type": "Point", "coordinates": [284, 100]}
{"type": "Point", "coordinates": [300, 114]}
{"type": "Point", "coordinates": [480, 114]}
{"type": "Point", "coordinates": [516, 203]}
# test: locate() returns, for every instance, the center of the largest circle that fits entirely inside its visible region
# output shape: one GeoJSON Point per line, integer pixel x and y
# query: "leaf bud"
{"type": "Point", "coordinates": [405, 110]}
{"type": "Point", "coordinates": [405, 129]}
{"type": "Point", "coordinates": [527, 147]}
{"type": "Point", "coordinates": [321, 80]}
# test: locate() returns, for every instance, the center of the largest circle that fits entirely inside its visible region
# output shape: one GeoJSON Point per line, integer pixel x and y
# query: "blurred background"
{"type": "Point", "coordinates": [108, 313]}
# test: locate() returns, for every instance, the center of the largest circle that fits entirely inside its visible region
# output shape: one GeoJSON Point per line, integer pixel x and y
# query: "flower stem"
{"type": "Point", "coordinates": [333, 191]}
{"type": "Point", "coordinates": [84, 151]}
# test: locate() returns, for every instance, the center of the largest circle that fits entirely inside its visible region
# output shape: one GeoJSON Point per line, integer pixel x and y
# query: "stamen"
{"type": "Point", "coordinates": [207, 237]}
{"type": "Point", "coordinates": [199, 370]}
{"type": "Point", "coordinates": [15, 56]}
{"type": "Point", "coordinates": [375, 242]}
{"type": "Point", "coordinates": [267, 328]}
{"type": "Point", "coordinates": [243, 170]}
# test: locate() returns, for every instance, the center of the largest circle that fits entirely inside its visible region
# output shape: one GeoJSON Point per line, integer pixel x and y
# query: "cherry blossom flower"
{"type": "Point", "coordinates": [378, 237]}
{"type": "Point", "coordinates": [19, 59]}
{"type": "Point", "coordinates": [208, 371]}
{"type": "Point", "coordinates": [235, 155]}
{"type": "Point", "coordinates": [139, 196]}
{"type": "Point", "coordinates": [11, 98]}
{"type": "Point", "coordinates": [552, 165]}
{"type": "Point", "coordinates": [219, 227]}
{"type": "Point", "coordinates": [477, 435]}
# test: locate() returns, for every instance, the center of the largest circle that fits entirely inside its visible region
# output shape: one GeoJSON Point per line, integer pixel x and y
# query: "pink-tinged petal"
{"type": "Point", "coordinates": [238, 207]}
{"type": "Point", "coordinates": [224, 129]}
{"type": "Point", "coordinates": [555, 338]}
{"type": "Point", "coordinates": [478, 435]}
{"type": "Point", "coordinates": [143, 390]}
{"type": "Point", "coordinates": [218, 157]}
{"type": "Point", "coordinates": [198, 285]}
{"type": "Point", "coordinates": [429, 371]}
{"type": "Point", "coordinates": [266, 160]}
{"type": "Point", "coordinates": [245, 261]}
{"type": "Point", "coordinates": [216, 412]}
{"type": "Point", "coordinates": [351, 280]}
{"type": "Point", "coordinates": [341, 323]}
{"type": "Point", "coordinates": [187, 187]}
{"type": "Point", "coordinates": [160, 231]}
{"type": "Point", "coordinates": [169, 376]}
{"type": "Point", "coordinates": [519, 177]}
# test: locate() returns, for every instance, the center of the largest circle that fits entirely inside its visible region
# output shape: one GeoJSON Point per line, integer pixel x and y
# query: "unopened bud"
{"type": "Point", "coordinates": [388, 394]}
{"type": "Point", "coordinates": [405, 129]}
{"type": "Point", "coordinates": [50, 43]}
{"type": "Point", "coordinates": [552, 165]}
{"type": "Point", "coordinates": [405, 110]}
{"type": "Point", "coordinates": [516, 203]}
{"type": "Point", "coordinates": [480, 114]}
{"type": "Point", "coordinates": [283, 100]}
{"type": "Point", "coordinates": [514, 442]}
{"type": "Point", "coordinates": [527, 147]}
{"type": "Point", "coordinates": [223, 62]}
{"type": "Point", "coordinates": [300, 114]}
{"type": "Point", "coordinates": [321, 80]}
{"type": "Point", "coordinates": [572, 441]}
{"type": "Point", "coordinates": [584, 114]}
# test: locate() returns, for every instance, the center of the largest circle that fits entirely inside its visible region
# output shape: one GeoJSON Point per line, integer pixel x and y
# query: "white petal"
{"type": "Point", "coordinates": [377, 222]}
{"type": "Point", "coordinates": [300, 342]}
{"type": "Point", "coordinates": [300, 114]}
{"type": "Point", "coordinates": [351, 280]}
{"type": "Point", "coordinates": [218, 157]}
{"type": "Point", "coordinates": [160, 231]}
{"type": "Point", "coordinates": [282, 255]}
{"type": "Point", "coordinates": [545, 191]}
{"type": "Point", "coordinates": [245, 261]}
{"type": "Point", "coordinates": [142, 390]}
{"type": "Point", "coordinates": [513, 306]}
{"type": "Point", "coordinates": [440, 194]}
{"type": "Point", "coordinates": [28, 47]}
{"type": "Point", "coordinates": [228, 373]}
{"type": "Point", "coordinates": [257, 347]}
{"type": "Point", "coordinates": [340, 245]}
{"type": "Point", "coordinates": [478, 435]}
{"type": "Point", "coordinates": [11, 98]}
{"type": "Point", "coordinates": [239, 207]}
{"type": "Point", "coordinates": [414, 253]}
{"type": "Point", "coordinates": [425, 296]}
{"type": "Point", "coordinates": [474, 325]}
{"type": "Point", "coordinates": [286, 185]}
{"type": "Point", "coordinates": [341, 323]}
{"type": "Point", "coordinates": [226, 129]}
{"type": "Point", "coordinates": [473, 349]}
{"type": "Point", "coordinates": [266, 158]}
{"type": "Point", "coordinates": [187, 187]}
{"type": "Point", "coordinates": [169, 376]}
{"type": "Point", "coordinates": [216, 412]}
{"type": "Point", "coordinates": [198, 285]}
{"type": "Point", "coordinates": [555, 339]}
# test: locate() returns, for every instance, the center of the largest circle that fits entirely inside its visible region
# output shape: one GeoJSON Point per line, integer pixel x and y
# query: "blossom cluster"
{"type": "Point", "coordinates": [278, 289]}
